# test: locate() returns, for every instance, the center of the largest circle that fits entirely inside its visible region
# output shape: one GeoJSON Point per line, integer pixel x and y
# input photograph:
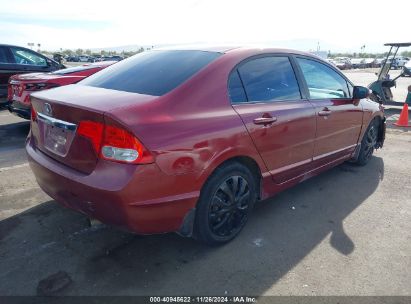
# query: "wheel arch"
{"type": "Point", "coordinates": [380, 120]}
{"type": "Point", "coordinates": [247, 161]}
{"type": "Point", "coordinates": [187, 227]}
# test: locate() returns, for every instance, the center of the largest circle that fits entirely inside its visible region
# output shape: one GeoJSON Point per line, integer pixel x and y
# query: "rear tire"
{"type": "Point", "coordinates": [368, 144]}
{"type": "Point", "coordinates": [225, 204]}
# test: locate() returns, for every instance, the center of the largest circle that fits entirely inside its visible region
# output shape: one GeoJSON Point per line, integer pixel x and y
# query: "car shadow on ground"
{"type": "Point", "coordinates": [12, 139]}
{"type": "Point", "coordinates": [14, 134]}
{"type": "Point", "coordinates": [102, 260]}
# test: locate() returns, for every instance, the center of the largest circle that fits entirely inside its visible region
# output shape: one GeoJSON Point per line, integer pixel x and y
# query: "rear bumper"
{"type": "Point", "coordinates": [141, 199]}
{"type": "Point", "coordinates": [20, 110]}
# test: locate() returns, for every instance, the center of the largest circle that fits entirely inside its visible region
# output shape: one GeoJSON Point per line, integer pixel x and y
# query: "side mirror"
{"type": "Point", "coordinates": [360, 92]}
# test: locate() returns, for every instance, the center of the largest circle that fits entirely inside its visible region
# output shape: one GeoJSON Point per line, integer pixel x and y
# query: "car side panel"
{"type": "Point", "coordinates": [287, 145]}
{"type": "Point", "coordinates": [190, 128]}
{"type": "Point", "coordinates": [337, 134]}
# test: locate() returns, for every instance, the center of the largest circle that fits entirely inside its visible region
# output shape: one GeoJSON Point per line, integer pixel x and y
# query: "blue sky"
{"type": "Point", "coordinates": [337, 25]}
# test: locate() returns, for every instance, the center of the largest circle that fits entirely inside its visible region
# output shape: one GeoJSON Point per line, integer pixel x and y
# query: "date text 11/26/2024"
{"type": "Point", "coordinates": [198, 299]}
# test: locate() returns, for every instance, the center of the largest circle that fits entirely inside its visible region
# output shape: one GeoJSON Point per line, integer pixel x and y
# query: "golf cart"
{"type": "Point", "coordinates": [381, 88]}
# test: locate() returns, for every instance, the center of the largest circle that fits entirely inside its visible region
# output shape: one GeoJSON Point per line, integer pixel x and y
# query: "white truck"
{"type": "Point", "coordinates": [399, 62]}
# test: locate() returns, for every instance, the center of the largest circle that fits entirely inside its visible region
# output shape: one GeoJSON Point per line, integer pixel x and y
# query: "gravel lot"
{"type": "Point", "coordinates": [345, 232]}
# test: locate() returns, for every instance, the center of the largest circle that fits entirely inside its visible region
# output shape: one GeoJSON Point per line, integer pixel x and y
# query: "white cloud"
{"type": "Point", "coordinates": [343, 24]}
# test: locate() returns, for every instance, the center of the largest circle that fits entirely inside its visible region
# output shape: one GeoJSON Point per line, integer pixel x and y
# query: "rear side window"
{"type": "Point", "coordinates": [236, 89]}
{"type": "Point", "coordinates": [152, 73]}
{"type": "Point", "coordinates": [322, 81]}
{"type": "Point", "coordinates": [269, 79]}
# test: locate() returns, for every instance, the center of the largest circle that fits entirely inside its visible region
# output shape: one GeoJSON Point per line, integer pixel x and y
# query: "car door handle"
{"type": "Point", "coordinates": [264, 120]}
{"type": "Point", "coordinates": [324, 112]}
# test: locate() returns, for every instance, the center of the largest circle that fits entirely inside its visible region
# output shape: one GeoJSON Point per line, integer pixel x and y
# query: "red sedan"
{"type": "Point", "coordinates": [188, 140]}
{"type": "Point", "coordinates": [22, 85]}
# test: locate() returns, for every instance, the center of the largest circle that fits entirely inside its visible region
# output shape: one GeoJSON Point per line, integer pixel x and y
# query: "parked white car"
{"type": "Point", "coordinates": [399, 62]}
{"type": "Point", "coordinates": [83, 58]}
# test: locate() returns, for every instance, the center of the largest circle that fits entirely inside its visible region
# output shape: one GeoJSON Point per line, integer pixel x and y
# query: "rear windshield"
{"type": "Point", "coordinates": [151, 73]}
{"type": "Point", "coordinates": [74, 69]}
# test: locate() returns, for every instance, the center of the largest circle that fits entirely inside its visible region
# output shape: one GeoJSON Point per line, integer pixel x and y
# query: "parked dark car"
{"type": "Point", "coordinates": [112, 58]}
{"type": "Point", "coordinates": [188, 140]}
{"type": "Point", "coordinates": [21, 86]}
{"type": "Point", "coordinates": [72, 58]}
{"type": "Point", "coordinates": [19, 60]}
{"type": "Point", "coordinates": [358, 63]}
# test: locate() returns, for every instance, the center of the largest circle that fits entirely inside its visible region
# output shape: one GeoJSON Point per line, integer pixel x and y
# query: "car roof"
{"type": "Point", "coordinates": [234, 48]}
{"type": "Point", "coordinates": [198, 47]}
{"type": "Point", "coordinates": [19, 46]}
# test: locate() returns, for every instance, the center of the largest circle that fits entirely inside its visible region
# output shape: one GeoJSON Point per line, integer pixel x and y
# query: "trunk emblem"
{"type": "Point", "coordinates": [48, 109]}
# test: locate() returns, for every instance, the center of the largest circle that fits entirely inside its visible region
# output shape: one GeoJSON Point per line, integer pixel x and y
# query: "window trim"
{"type": "Point", "coordinates": [235, 71]}
{"type": "Point", "coordinates": [320, 61]}
{"type": "Point", "coordinates": [244, 61]}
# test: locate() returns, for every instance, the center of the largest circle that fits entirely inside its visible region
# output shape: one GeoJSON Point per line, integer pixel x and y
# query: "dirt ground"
{"type": "Point", "coordinates": [345, 232]}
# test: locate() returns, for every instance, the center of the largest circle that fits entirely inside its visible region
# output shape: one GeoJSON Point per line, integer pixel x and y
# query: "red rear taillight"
{"type": "Point", "coordinates": [93, 131]}
{"type": "Point", "coordinates": [114, 143]}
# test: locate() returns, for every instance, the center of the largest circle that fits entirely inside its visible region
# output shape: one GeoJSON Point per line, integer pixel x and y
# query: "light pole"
{"type": "Point", "coordinates": [362, 48]}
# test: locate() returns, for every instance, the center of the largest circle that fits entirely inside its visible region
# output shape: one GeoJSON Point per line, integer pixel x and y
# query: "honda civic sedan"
{"type": "Point", "coordinates": [188, 140]}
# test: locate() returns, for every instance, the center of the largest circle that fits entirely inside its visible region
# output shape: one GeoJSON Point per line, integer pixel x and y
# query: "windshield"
{"type": "Point", "coordinates": [74, 69]}
{"type": "Point", "coordinates": [151, 73]}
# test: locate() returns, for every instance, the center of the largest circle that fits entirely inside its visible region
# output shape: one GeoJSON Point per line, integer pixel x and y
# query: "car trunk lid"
{"type": "Point", "coordinates": [59, 113]}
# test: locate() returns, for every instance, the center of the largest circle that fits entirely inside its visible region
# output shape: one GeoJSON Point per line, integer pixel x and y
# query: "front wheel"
{"type": "Point", "coordinates": [225, 203]}
{"type": "Point", "coordinates": [368, 144]}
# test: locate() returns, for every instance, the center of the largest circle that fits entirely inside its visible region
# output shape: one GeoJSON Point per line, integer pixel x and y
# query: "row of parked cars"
{"type": "Point", "coordinates": [87, 58]}
{"type": "Point", "coordinates": [24, 72]}
{"type": "Point", "coordinates": [346, 63]}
